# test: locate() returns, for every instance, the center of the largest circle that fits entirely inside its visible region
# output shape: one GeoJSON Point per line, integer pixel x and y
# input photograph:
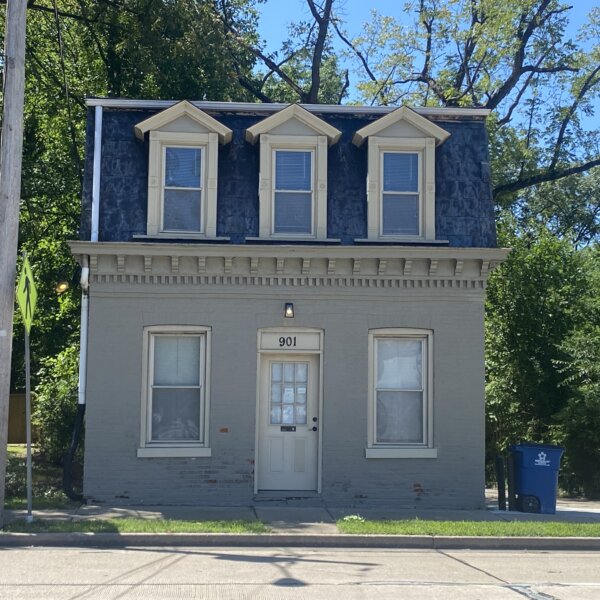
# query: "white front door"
{"type": "Point", "coordinates": [288, 438]}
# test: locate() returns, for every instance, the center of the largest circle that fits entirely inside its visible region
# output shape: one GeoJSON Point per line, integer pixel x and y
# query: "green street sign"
{"type": "Point", "coordinates": [26, 294]}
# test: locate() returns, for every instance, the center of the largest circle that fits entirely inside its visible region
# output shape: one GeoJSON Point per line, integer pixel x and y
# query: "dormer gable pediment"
{"type": "Point", "coordinates": [403, 122]}
{"type": "Point", "coordinates": [183, 117]}
{"type": "Point", "coordinates": [293, 120]}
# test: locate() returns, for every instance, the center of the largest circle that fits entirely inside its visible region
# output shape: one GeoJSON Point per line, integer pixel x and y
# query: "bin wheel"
{"type": "Point", "coordinates": [529, 504]}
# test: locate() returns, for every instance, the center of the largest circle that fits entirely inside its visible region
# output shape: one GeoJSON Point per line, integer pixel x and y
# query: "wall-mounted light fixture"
{"type": "Point", "coordinates": [67, 278]}
{"type": "Point", "coordinates": [288, 312]}
{"type": "Point", "coordinates": [62, 286]}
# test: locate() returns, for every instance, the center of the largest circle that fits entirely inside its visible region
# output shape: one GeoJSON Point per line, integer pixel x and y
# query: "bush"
{"type": "Point", "coordinates": [56, 403]}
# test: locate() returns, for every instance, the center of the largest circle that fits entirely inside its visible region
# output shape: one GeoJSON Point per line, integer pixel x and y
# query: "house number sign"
{"type": "Point", "coordinates": [290, 340]}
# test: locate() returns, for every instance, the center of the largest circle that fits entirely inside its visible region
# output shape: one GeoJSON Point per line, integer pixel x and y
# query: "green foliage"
{"type": "Point", "coordinates": [543, 352]}
{"type": "Point", "coordinates": [579, 420]}
{"type": "Point", "coordinates": [56, 402]}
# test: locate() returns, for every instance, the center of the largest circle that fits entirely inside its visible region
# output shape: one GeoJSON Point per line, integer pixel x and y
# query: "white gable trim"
{"type": "Point", "coordinates": [187, 109]}
{"type": "Point", "coordinates": [293, 111]}
{"type": "Point", "coordinates": [403, 113]}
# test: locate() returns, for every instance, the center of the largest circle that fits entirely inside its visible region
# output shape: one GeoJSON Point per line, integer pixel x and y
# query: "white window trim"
{"type": "Point", "coordinates": [268, 145]}
{"type": "Point", "coordinates": [426, 449]}
{"type": "Point", "coordinates": [209, 143]}
{"type": "Point", "coordinates": [425, 147]}
{"type": "Point", "coordinates": [149, 449]}
{"type": "Point", "coordinates": [312, 191]}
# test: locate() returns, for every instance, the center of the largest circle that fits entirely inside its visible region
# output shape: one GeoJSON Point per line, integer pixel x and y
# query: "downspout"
{"type": "Point", "coordinates": [83, 339]}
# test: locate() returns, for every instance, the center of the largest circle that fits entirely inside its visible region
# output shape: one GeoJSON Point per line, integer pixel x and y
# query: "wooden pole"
{"type": "Point", "coordinates": [11, 149]}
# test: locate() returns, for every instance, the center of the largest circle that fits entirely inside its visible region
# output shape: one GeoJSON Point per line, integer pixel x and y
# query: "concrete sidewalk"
{"type": "Point", "coordinates": [306, 526]}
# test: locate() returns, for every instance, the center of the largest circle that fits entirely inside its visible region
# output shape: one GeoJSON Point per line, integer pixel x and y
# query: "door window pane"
{"type": "Point", "coordinates": [288, 398]}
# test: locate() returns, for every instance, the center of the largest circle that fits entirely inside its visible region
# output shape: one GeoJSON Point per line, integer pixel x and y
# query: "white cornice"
{"type": "Point", "coordinates": [270, 265]}
{"type": "Point", "coordinates": [257, 108]}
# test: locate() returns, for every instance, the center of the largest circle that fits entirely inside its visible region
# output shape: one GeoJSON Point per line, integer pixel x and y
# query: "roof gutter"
{"type": "Point", "coordinates": [270, 108]}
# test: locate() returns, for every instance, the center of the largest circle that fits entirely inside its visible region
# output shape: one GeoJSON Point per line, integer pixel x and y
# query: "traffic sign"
{"type": "Point", "coordinates": [26, 294]}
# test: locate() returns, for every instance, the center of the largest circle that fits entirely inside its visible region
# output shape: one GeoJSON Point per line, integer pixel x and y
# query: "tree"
{"type": "Point", "coordinates": [534, 305]}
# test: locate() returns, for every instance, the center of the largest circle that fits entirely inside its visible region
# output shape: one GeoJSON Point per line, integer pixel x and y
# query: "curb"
{"type": "Point", "coordinates": [425, 542]}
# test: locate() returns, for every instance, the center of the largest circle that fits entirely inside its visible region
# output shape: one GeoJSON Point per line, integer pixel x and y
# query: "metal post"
{"type": "Point", "coordinates": [29, 517]}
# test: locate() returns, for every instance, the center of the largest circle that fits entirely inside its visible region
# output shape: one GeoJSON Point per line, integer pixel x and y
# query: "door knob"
{"type": "Point", "coordinates": [314, 429]}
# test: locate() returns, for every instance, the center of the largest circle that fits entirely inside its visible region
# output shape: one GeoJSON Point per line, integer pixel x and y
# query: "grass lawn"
{"type": "Point", "coordinates": [127, 525]}
{"type": "Point", "coordinates": [47, 481]}
{"type": "Point", "coordinates": [357, 525]}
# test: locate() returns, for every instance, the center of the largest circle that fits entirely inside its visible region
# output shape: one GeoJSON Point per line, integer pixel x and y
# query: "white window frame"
{"type": "Point", "coordinates": [317, 145]}
{"type": "Point", "coordinates": [425, 148]}
{"type": "Point", "coordinates": [419, 192]}
{"type": "Point", "coordinates": [311, 190]}
{"type": "Point", "coordinates": [173, 448]}
{"type": "Point", "coordinates": [209, 144]}
{"type": "Point", "coordinates": [409, 450]}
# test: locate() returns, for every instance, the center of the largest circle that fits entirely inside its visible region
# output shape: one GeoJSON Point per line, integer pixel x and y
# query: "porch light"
{"type": "Point", "coordinates": [288, 313]}
{"type": "Point", "coordinates": [62, 286]}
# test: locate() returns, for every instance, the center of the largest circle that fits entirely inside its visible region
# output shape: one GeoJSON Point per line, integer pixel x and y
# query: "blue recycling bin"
{"type": "Point", "coordinates": [536, 476]}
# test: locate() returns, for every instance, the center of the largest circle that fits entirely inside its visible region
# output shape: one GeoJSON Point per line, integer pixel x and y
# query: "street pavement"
{"type": "Point", "coordinates": [283, 573]}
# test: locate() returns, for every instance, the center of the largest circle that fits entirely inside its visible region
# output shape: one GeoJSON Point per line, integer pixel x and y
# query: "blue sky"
{"type": "Point", "coordinates": [276, 15]}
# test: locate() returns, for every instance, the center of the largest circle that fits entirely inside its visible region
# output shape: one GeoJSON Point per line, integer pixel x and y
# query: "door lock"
{"type": "Point", "coordinates": [314, 429]}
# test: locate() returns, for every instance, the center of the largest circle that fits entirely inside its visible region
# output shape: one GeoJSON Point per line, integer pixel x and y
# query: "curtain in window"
{"type": "Point", "coordinates": [176, 388]}
{"type": "Point", "coordinates": [399, 391]}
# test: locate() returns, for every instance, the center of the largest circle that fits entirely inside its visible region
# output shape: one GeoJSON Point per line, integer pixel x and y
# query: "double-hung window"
{"type": "Point", "coordinates": [401, 194]}
{"type": "Point", "coordinates": [183, 189]}
{"type": "Point", "coordinates": [175, 398]}
{"type": "Point", "coordinates": [401, 176]}
{"type": "Point", "coordinates": [182, 171]}
{"type": "Point", "coordinates": [400, 382]}
{"type": "Point", "coordinates": [293, 192]}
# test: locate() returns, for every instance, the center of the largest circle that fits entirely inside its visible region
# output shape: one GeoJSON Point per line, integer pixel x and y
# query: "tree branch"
{"type": "Point", "coordinates": [323, 27]}
{"type": "Point", "coordinates": [544, 176]}
{"type": "Point", "coordinates": [588, 84]}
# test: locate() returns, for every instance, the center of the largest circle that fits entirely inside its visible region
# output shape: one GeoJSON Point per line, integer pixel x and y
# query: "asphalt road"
{"type": "Point", "coordinates": [279, 573]}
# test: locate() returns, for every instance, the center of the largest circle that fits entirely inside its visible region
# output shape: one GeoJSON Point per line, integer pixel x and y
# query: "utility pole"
{"type": "Point", "coordinates": [11, 150]}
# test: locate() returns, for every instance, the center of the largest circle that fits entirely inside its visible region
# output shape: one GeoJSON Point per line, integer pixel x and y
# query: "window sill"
{"type": "Point", "coordinates": [400, 452]}
{"type": "Point", "coordinates": [292, 239]}
{"type": "Point", "coordinates": [177, 235]}
{"type": "Point", "coordinates": [172, 452]}
{"type": "Point", "coordinates": [402, 240]}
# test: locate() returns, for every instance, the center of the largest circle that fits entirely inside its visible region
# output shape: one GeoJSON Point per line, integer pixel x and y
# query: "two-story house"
{"type": "Point", "coordinates": [285, 301]}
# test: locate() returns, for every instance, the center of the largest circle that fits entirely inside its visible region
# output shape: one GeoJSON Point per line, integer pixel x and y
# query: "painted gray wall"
{"type": "Point", "coordinates": [113, 473]}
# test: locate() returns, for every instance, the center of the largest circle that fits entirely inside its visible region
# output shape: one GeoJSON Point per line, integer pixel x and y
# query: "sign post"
{"type": "Point", "coordinates": [27, 298]}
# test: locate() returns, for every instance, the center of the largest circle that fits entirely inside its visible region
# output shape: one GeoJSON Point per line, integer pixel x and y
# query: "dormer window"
{"type": "Point", "coordinates": [293, 173]}
{"type": "Point", "coordinates": [182, 171]}
{"type": "Point", "coordinates": [293, 192]}
{"type": "Point", "coordinates": [401, 193]}
{"type": "Point", "coordinates": [183, 187]}
{"type": "Point", "coordinates": [401, 180]}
